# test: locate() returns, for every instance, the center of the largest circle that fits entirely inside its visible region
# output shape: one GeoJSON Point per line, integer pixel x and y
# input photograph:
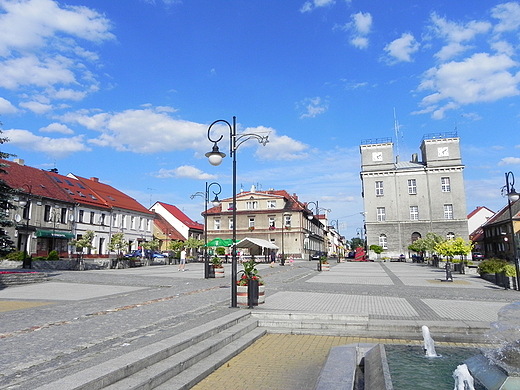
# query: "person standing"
{"type": "Point", "coordinates": [273, 258]}
{"type": "Point", "coordinates": [182, 262]}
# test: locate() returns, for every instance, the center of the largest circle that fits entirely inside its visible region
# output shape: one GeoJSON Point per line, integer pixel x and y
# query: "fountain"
{"type": "Point", "coordinates": [463, 379]}
{"type": "Point", "coordinates": [499, 368]}
{"type": "Point", "coordinates": [429, 344]}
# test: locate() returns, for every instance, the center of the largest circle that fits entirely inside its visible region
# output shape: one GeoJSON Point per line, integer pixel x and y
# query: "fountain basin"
{"type": "Point", "coordinates": [490, 375]}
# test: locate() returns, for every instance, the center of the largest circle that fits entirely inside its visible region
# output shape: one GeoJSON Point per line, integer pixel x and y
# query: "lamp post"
{"type": "Point", "coordinates": [336, 227]}
{"type": "Point", "coordinates": [512, 196]}
{"type": "Point", "coordinates": [284, 226]}
{"type": "Point", "coordinates": [215, 202]}
{"type": "Point", "coordinates": [317, 209]}
{"type": "Point", "coordinates": [26, 204]}
{"type": "Point", "coordinates": [215, 158]}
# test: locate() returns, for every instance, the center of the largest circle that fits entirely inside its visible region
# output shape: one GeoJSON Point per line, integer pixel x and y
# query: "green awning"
{"type": "Point", "coordinates": [54, 234]}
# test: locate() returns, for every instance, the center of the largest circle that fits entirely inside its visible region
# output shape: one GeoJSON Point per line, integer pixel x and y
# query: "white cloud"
{"type": "Point", "coordinates": [185, 171]}
{"type": "Point", "coordinates": [6, 107]}
{"type": "Point", "coordinates": [141, 131]}
{"type": "Point", "coordinates": [310, 5]}
{"type": "Point", "coordinates": [279, 148]}
{"type": "Point", "coordinates": [360, 27]}
{"type": "Point", "coordinates": [402, 48]}
{"type": "Point", "coordinates": [54, 147]}
{"type": "Point", "coordinates": [508, 15]}
{"type": "Point", "coordinates": [510, 161]}
{"type": "Point", "coordinates": [56, 128]}
{"type": "Point", "coordinates": [39, 49]}
{"type": "Point", "coordinates": [36, 107]}
{"type": "Point", "coordinates": [313, 107]}
{"type": "Point", "coordinates": [479, 78]}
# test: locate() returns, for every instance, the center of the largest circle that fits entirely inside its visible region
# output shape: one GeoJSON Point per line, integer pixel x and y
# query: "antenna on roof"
{"type": "Point", "coordinates": [396, 129]}
{"type": "Point", "coordinates": [151, 189]}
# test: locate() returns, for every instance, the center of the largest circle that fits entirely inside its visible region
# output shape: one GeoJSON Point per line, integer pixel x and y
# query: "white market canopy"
{"type": "Point", "coordinates": [255, 243]}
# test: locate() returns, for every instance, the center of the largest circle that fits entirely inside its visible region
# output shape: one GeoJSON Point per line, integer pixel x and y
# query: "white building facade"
{"type": "Point", "coordinates": [404, 201]}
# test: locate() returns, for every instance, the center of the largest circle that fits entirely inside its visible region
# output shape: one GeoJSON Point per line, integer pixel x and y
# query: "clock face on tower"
{"type": "Point", "coordinates": [377, 156]}
{"type": "Point", "coordinates": [443, 151]}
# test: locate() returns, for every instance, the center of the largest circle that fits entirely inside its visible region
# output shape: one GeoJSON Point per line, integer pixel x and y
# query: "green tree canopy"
{"type": "Point", "coordinates": [118, 243]}
{"type": "Point", "coordinates": [84, 242]}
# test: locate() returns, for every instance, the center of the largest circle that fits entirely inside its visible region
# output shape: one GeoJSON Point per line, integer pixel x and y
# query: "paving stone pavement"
{"type": "Point", "coordinates": [81, 318]}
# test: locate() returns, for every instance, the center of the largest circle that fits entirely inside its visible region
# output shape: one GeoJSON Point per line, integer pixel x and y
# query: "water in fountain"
{"type": "Point", "coordinates": [505, 334]}
{"type": "Point", "coordinates": [463, 379]}
{"type": "Point", "coordinates": [429, 344]}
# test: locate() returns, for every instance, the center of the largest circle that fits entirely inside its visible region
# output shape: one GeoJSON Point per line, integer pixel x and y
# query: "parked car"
{"type": "Point", "coordinates": [147, 253]}
{"type": "Point", "coordinates": [477, 256]}
{"type": "Point", "coordinates": [318, 255]}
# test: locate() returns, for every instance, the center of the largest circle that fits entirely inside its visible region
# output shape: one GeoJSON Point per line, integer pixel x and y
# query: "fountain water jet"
{"type": "Point", "coordinates": [500, 367]}
{"type": "Point", "coordinates": [429, 344]}
{"type": "Point", "coordinates": [463, 379]}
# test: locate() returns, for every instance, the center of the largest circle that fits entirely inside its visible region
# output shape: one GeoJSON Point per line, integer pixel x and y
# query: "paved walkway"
{"type": "Point", "coordinates": [84, 317]}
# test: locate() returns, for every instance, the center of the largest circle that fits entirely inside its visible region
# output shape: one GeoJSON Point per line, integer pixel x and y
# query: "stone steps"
{"type": "Point", "coordinates": [360, 325]}
{"type": "Point", "coordinates": [178, 362]}
{"type": "Point", "coordinates": [14, 278]}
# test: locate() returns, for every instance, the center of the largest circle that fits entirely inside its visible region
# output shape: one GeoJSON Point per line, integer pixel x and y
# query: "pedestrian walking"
{"type": "Point", "coordinates": [273, 258]}
{"type": "Point", "coordinates": [182, 262]}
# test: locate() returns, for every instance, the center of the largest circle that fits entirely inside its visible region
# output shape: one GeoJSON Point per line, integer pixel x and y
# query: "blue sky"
{"type": "Point", "coordinates": [125, 91]}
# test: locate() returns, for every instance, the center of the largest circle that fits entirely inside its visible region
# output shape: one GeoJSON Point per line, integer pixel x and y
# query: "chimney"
{"type": "Point", "coordinates": [19, 161]}
{"type": "Point", "coordinates": [95, 179]}
{"type": "Point", "coordinates": [253, 188]}
{"type": "Point", "coordinates": [415, 158]}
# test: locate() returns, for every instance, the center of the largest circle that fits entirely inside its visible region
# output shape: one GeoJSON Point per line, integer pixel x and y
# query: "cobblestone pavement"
{"type": "Point", "coordinates": [79, 319]}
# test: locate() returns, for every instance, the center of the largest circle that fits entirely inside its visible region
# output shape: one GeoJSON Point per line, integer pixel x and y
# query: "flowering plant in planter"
{"type": "Point", "coordinates": [323, 260]}
{"type": "Point", "coordinates": [249, 273]}
{"type": "Point", "coordinates": [217, 262]}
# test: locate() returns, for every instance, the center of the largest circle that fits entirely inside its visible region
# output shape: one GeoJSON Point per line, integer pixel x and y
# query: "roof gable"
{"type": "Point", "coordinates": [180, 216]}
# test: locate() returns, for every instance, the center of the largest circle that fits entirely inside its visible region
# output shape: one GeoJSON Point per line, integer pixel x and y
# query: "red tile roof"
{"type": "Point", "coordinates": [167, 229]}
{"type": "Point", "coordinates": [78, 191]}
{"type": "Point", "coordinates": [111, 196]}
{"type": "Point", "coordinates": [179, 215]}
{"type": "Point", "coordinates": [36, 180]}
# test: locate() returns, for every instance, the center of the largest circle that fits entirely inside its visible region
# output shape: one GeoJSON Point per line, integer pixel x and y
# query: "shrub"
{"type": "Point", "coordinates": [492, 266]}
{"type": "Point", "coordinates": [221, 251]}
{"type": "Point", "coordinates": [510, 270]}
{"type": "Point", "coordinates": [16, 256]}
{"type": "Point", "coordinates": [53, 255]}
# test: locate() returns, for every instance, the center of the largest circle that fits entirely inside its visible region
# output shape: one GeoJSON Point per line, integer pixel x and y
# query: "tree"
{"type": "Point", "coordinates": [193, 243]}
{"type": "Point", "coordinates": [377, 249]}
{"type": "Point", "coordinates": [451, 248]}
{"type": "Point", "coordinates": [118, 244]}
{"type": "Point", "coordinates": [153, 245]}
{"type": "Point", "coordinates": [6, 196]}
{"type": "Point", "coordinates": [84, 242]}
{"type": "Point", "coordinates": [356, 242]}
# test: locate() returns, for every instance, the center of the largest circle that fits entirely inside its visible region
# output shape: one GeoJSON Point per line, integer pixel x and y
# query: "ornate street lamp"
{"type": "Point", "coordinates": [512, 196]}
{"type": "Point", "coordinates": [215, 202]}
{"type": "Point", "coordinates": [215, 158]}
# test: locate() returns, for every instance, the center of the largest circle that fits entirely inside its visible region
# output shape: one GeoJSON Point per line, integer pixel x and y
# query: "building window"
{"type": "Point", "coordinates": [63, 216]}
{"type": "Point", "coordinates": [230, 206]}
{"type": "Point", "coordinates": [414, 213]}
{"type": "Point", "coordinates": [448, 211]}
{"type": "Point", "coordinates": [379, 188]}
{"type": "Point", "coordinates": [123, 221]}
{"type": "Point", "coordinates": [81, 216]}
{"type": "Point", "coordinates": [252, 205]}
{"type": "Point", "coordinates": [271, 204]}
{"type": "Point", "coordinates": [132, 222]}
{"type": "Point", "coordinates": [287, 220]}
{"type": "Point", "coordinates": [445, 184]}
{"type": "Point", "coordinates": [381, 214]}
{"type": "Point", "coordinates": [252, 222]}
{"type": "Point", "coordinates": [114, 220]}
{"type": "Point", "coordinates": [26, 211]}
{"type": "Point", "coordinates": [450, 236]}
{"type": "Point", "coordinates": [47, 213]}
{"type": "Point", "coordinates": [216, 224]}
{"type": "Point", "coordinates": [230, 224]}
{"type": "Point", "coordinates": [272, 223]}
{"type": "Point", "coordinates": [92, 214]}
{"type": "Point", "coordinates": [102, 219]}
{"type": "Point", "coordinates": [412, 186]}
{"type": "Point", "coordinates": [383, 243]}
